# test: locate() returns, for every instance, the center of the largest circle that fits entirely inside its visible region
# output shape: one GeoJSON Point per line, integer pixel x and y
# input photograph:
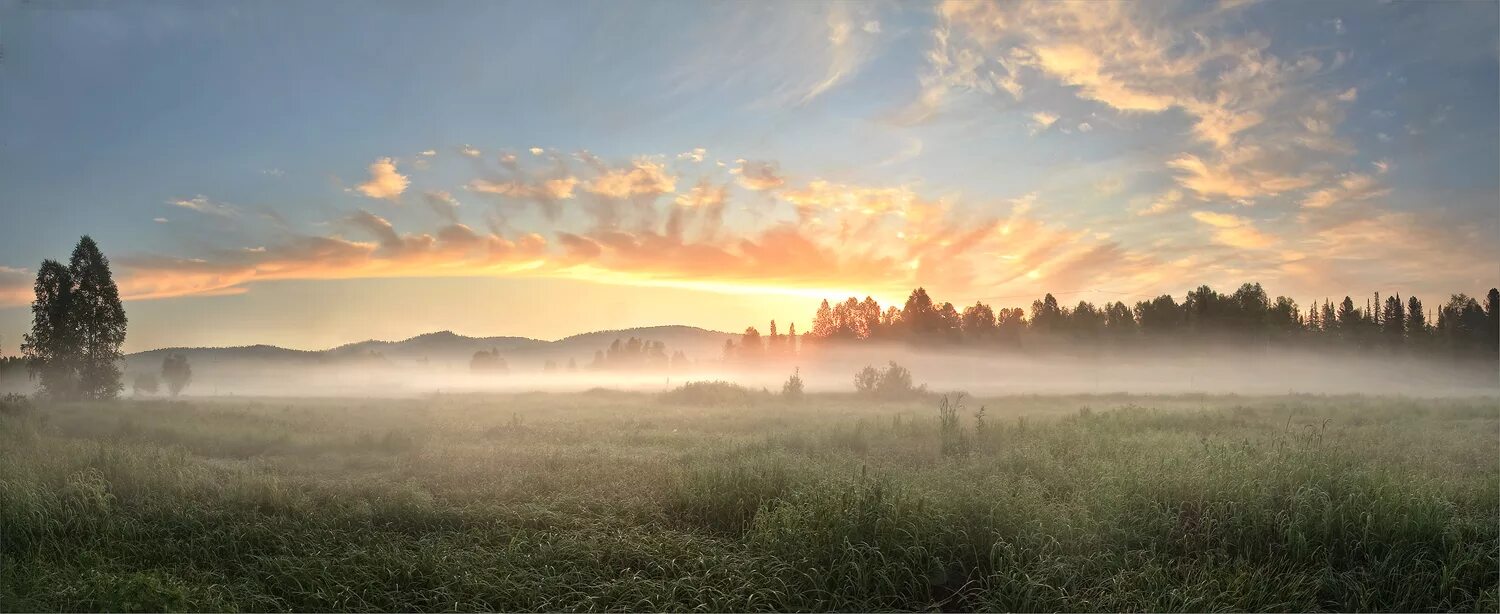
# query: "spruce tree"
{"type": "Point", "coordinates": [1416, 320]}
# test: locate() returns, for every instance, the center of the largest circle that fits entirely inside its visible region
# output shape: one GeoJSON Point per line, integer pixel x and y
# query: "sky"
{"type": "Point", "coordinates": [311, 174]}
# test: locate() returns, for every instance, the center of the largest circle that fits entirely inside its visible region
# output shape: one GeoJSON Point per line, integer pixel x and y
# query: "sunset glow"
{"type": "Point", "coordinates": [975, 149]}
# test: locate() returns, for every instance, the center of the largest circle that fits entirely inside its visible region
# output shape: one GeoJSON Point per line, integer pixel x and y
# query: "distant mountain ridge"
{"type": "Point", "coordinates": [447, 346]}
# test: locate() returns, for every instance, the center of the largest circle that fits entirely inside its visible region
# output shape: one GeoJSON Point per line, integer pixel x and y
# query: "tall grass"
{"type": "Point", "coordinates": [618, 501]}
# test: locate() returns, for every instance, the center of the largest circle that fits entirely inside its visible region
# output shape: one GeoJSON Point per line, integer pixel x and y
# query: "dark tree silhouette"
{"type": "Point", "coordinates": [1008, 326]}
{"type": "Point", "coordinates": [1492, 316]}
{"type": "Point", "coordinates": [1393, 321]}
{"type": "Point", "coordinates": [1086, 322]}
{"type": "Point", "coordinates": [1284, 317]}
{"type": "Point", "coordinates": [751, 347]}
{"type": "Point", "coordinates": [1160, 316]}
{"type": "Point", "coordinates": [1046, 316]}
{"type": "Point", "coordinates": [176, 371]}
{"type": "Point", "coordinates": [979, 323]}
{"type": "Point", "coordinates": [1248, 318]}
{"type": "Point", "coordinates": [1119, 322]}
{"type": "Point", "coordinates": [52, 348]}
{"type": "Point", "coordinates": [920, 320]}
{"type": "Point", "coordinates": [633, 353]}
{"type": "Point", "coordinates": [1416, 321]}
{"type": "Point", "coordinates": [1464, 325]}
{"type": "Point", "coordinates": [488, 362]}
{"type": "Point", "coordinates": [1350, 320]}
{"type": "Point", "coordinates": [100, 321]}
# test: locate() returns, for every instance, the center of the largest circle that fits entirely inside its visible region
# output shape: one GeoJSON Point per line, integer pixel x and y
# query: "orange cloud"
{"type": "Point", "coordinates": [385, 182]}
{"type": "Point", "coordinates": [1351, 187]}
{"type": "Point", "coordinates": [797, 238]}
{"type": "Point", "coordinates": [551, 189]}
{"type": "Point", "coordinates": [642, 178]}
{"type": "Point", "coordinates": [1234, 230]}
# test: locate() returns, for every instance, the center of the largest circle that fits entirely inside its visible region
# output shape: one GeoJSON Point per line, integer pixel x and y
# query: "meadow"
{"type": "Point", "coordinates": [724, 500]}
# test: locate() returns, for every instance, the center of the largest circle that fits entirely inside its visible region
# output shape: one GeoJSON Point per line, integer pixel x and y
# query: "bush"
{"type": "Point", "coordinates": [892, 382]}
{"type": "Point", "coordinates": [793, 388]}
{"type": "Point", "coordinates": [14, 404]}
{"type": "Point", "coordinates": [865, 380]}
{"type": "Point", "coordinates": [710, 393]}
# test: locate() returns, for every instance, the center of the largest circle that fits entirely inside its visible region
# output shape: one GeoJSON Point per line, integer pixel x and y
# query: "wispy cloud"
{"type": "Point", "coordinates": [1259, 124]}
{"type": "Point", "coordinates": [801, 51]}
{"type": "Point", "coordinates": [204, 204]}
{"type": "Point", "coordinates": [1234, 230]}
{"type": "Point", "coordinates": [1352, 187]}
{"type": "Point", "coordinates": [443, 204]}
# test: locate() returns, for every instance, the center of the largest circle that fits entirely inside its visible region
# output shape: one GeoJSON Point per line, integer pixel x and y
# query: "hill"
{"type": "Point", "coordinates": [446, 347]}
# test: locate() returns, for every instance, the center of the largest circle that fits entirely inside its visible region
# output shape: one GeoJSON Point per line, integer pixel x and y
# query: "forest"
{"type": "Point", "coordinates": [1462, 327]}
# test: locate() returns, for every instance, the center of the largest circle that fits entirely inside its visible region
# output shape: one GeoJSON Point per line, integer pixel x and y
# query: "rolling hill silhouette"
{"type": "Point", "coordinates": [447, 347]}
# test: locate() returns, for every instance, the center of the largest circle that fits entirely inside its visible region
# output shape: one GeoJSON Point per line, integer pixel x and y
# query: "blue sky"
{"type": "Point", "coordinates": [243, 158]}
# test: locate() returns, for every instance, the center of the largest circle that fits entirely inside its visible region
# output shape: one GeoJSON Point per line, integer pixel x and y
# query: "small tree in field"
{"type": "Point", "coordinates": [488, 362]}
{"type": "Point", "coordinates": [792, 390]}
{"type": "Point", "coordinates": [99, 319]}
{"type": "Point", "coordinates": [78, 325]}
{"type": "Point", "coordinates": [177, 373]}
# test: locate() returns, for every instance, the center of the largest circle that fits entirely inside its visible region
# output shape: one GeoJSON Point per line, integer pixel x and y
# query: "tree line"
{"type": "Point", "coordinates": [637, 354]}
{"type": "Point", "coordinates": [1462, 325]}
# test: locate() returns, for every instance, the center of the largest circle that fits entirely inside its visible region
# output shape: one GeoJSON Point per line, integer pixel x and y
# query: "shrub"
{"type": "Point", "coordinates": [710, 393]}
{"type": "Point", "coordinates": [14, 404]}
{"type": "Point", "coordinates": [792, 390]}
{"type": "Point", "coordinates": [865, 380]}
{"type": "Point", "coordinates": [892, 382]}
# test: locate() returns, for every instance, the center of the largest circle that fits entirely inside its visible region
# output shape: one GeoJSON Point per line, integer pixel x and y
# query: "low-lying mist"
{"type": "Point", "coordinates": [1207, 370]}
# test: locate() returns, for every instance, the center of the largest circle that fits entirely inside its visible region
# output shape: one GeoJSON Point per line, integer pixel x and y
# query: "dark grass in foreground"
{"type": "Point", "coordinates": [614, 501]}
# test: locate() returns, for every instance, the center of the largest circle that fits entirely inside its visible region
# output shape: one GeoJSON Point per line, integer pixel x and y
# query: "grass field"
{"type": "Point", "coordinates": [634, 501]}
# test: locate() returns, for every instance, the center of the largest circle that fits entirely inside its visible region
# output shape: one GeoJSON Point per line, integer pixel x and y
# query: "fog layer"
{"type": "Point", "coordinates": [1211, 370]}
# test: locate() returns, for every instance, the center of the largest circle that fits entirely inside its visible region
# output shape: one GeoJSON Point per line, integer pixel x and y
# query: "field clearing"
{"type": "Point", "coordinates": [637, 501]}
